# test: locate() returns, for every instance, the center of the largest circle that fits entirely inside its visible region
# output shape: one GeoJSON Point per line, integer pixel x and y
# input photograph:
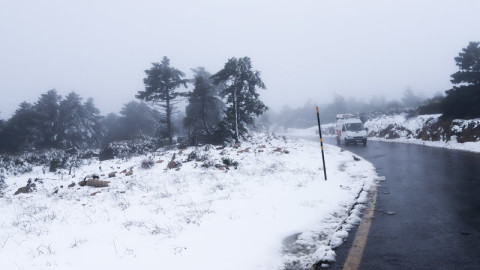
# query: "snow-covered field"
{"type": "Point", "coordinates": [274, 211]}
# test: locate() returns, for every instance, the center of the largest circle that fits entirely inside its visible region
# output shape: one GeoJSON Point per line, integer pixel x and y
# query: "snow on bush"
{"type": "Point", "coordinates": [147, 163]}
{"type": "Point", "coordinates": [274, 210]}
{"type": "Point", "coordinates": [24, 162]}
{"type": "Point", "coordinates": [139, 146]}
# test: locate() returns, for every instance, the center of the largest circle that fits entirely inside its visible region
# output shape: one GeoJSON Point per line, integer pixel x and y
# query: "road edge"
{"type": "Point", "coordinates": [354, 257]}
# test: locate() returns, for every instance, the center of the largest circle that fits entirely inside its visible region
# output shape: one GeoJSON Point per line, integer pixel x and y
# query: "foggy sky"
{"type": "Point", "coordinates": [304, 49]}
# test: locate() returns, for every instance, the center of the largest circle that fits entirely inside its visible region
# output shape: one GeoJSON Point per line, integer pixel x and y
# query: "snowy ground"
{"type": "Point", "coordinates": [328, 130]}
{"type": "Point", "coordinates": [275, 211]}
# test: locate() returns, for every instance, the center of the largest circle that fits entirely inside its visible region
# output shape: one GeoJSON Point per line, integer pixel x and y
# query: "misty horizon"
{"type": "Point", "coordinates": [305, 51]}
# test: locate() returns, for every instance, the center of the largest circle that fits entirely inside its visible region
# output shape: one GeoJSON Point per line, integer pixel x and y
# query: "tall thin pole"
{"type": "Point", "coordinates": [321, 145]}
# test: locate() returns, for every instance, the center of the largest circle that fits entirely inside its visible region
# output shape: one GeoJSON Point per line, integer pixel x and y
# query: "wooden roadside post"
{"type": "Point", "coordinates": [321, 145]}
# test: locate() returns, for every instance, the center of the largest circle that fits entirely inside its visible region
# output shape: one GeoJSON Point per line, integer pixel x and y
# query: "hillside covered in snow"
{"type": "Point", "coordinates": [256, 205]}
{"type": "Point", "coordinates": [428, 130]}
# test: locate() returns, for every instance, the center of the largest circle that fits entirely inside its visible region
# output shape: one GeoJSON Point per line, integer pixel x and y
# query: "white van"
{"type": "Point", "coordinates": [350, 129]}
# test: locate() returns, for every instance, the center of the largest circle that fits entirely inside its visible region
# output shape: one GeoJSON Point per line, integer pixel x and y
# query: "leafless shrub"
{"type": "Point", "coordinates": [122, 203]}
{"type": "Point", "coordinates": [5, 242]}
{"type": "Point", "coordinates": [165, 230]}
{"type": "Point", "coordinates": [144, 187]}
{"type": "Point", "coordinates": [138, 224]}
{"type": "Point", "coordinates": [43, 250]}
{"type": "Point", "coordinates": [49, 217]}
{"type": "Point", "coordinates": [162, 193]}
{"type": "Point", "coordinates": [196, 214]}
{"type": "Point", "coordinates": [147, 163]}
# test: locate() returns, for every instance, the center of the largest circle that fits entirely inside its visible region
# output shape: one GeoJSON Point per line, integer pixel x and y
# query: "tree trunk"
{"type": "Point", "coordinates": [169, 119]}
{"type": "Point", "coordinates": [204, 115]}
{"type": "Point", "coordinates": [236, 114]}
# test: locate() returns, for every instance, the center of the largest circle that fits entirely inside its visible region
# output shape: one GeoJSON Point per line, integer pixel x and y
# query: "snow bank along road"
{"type": "Point", "coordinates": [263, 205]}
{"type": "Point", "coordinates": [427, 213]}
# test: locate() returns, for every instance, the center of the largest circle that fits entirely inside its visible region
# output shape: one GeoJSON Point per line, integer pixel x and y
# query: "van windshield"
{"type": "Point", "coordinates": [354, 127]}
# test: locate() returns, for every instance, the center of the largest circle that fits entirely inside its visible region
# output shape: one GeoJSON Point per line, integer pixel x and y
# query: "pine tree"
{"type": "Point", "coordinates": [463, 100]}
{"type": "Point", "coordinates": [48, 109]}
{"type": "Point", "coordinates": [139, 120]}
{"type": "Point", "coordinates": [92, 124]}
{"type": "Point", "coordinates": [160, 88]}
{"type": "Point", "coordinates": [71, 111]}
{"type": "Point", "coordinates": [112, 128]}
{"type": "Point", "coordinates": [468, 61]}
{"type": "Point", "coordinates": [20, 132]}
{"type": "Point", "coordinates": [79, 124]}
{"type": "Point", "coordinates": [241, 95]}
{"type": "Point", "coordinates": [204, 109]}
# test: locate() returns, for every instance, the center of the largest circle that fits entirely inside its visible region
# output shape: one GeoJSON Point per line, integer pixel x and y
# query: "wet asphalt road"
{"type": "Point", "coordinates": [435, 194]}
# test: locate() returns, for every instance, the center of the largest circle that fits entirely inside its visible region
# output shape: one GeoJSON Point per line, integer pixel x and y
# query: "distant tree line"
{"type": "Point", "coordinates": [220, 107]}
{"type": "Point", "coordinates": [67, 122]}
{"type": "Point", "coordinates": [52, 121]}
{"type": "Point", "coordinates": [305, 116]}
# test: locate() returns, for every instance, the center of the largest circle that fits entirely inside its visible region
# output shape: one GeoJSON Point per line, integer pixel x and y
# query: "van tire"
{"type": "Point", "coordinates": [364, 142]}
